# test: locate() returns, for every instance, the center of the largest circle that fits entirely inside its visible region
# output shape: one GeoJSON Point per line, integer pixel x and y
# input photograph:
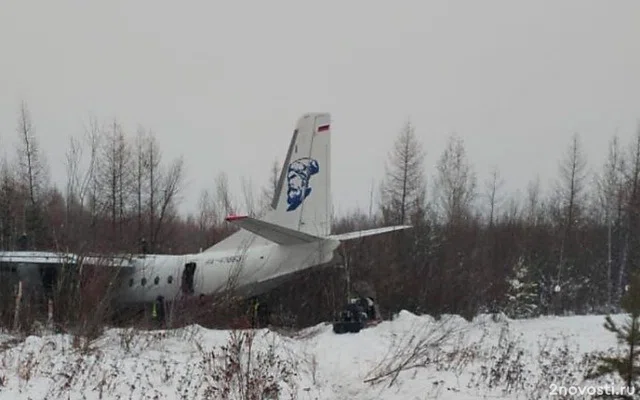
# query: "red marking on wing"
{"type": "Point", "coordinates": [235, 217]}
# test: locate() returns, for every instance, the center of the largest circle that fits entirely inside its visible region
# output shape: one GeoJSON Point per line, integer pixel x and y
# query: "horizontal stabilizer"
{"type": "Point", "coordinates": [369, 232]}
{"type": "Point", "coordinates": [275, 233]}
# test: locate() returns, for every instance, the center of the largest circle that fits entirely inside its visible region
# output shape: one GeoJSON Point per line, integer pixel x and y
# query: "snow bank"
{"type": "Point", "coordinates": [410, 357]}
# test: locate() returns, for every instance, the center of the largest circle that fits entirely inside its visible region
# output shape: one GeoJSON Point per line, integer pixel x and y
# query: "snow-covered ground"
{"type": "Point", "coordinates": [449, 359]}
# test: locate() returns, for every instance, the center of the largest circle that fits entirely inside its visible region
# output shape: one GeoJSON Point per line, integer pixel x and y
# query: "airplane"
{"type": "Point", "coordinates": [293, 236]}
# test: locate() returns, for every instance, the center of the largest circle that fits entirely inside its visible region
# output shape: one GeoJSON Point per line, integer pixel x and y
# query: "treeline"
{"type": "Point", "coordinates": [473, 247]}
{"type": "Point", "coordinates": [120, 192]}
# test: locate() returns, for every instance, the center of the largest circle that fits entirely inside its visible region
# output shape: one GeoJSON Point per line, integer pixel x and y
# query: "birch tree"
{"type": "Point", "coordinates": [611, 196]}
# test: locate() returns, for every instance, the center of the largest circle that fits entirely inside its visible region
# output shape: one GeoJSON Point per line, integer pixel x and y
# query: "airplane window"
{"type": "Point", "coordinates": [170, 279]}
{"type": "Point", "coordinates": [157, 280]}
{"type": "Point", "coordinates": [130, 282]}
{"type": "Point", "coordinates": [143, 281]}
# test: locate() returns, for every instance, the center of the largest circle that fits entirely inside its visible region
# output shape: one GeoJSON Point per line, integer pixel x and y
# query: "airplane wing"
{"type": "Point", "coordinates": [53, 258]}
{"type": "Point", "coordinates": [368, 232]}
{"type": "Point", "coordinates": [275, 233]}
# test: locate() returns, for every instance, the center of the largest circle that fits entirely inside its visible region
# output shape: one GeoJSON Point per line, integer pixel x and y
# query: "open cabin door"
{"type": "Point", "coordinates": [188, 276]}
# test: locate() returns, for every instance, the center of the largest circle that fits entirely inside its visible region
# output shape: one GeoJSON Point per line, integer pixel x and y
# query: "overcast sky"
{"type": "Point", "coordinates": [223, 83]}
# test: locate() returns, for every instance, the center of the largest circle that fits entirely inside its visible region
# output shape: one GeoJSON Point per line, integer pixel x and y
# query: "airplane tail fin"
{"type": "Point", "coordinates": [302, 200]}
{"type": "Point", "coordinates": [300, 210]}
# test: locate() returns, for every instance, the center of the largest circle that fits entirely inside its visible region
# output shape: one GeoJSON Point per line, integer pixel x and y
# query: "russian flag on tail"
{"type": "Point", "coordinates": [323, 128]}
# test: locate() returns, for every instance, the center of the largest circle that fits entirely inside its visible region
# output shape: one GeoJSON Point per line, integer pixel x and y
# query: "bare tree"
{"type": "Point", "coordinates": [32, 175]}
{"type": "Point", "coordinates": [73, 208]}
{"type": "Point", "coordinates": [3, 206]}
{"type": "Point", "coordinates": [223, 195]}
{"type": "Point", "coordinates": [269, 191]}
{"type": "Point", "coordinates": [140, 176]}
{"type": "Point", "coordinates": [31, 163]}
{"type": "Point", "coordinates": [8, 206]}
{"type": "Point", "coordinates": [512, 209]}
{"type": "Point", "coordinates": [493, 187]}
{"type": "Point", "coordinates": [533, 201]}
{"type": "Point", "coordinates": [248, 194]}
{"type": "Point", "coordinates": [92, 136]}
{"type": "Point", "coordinates": [171, 188]}
{"type": "Point", "coordinates": [91, 180]}
{"type": "Point", "coordinates": [611, 198]}
{"type": "Point", "coordinates": [153, 186]}
{"type": "Point", "coordinates": [571, 192]}
{"type": "Point", "coordinates": [152, 166]}
{"type": "Point", "coordinates": [73, 158]}
{"type": "Point", "coordinates": [455, 182]}
{"type": "Point", "coordinates": [207, 217]}
{"type": "Point", "coordinates": [116, 177]}
{"type": "Point", "coordinates": [568, 206]}
{"type": "Point", "coordinates": [630, 246]}
{"type": "Point", "coordinates": [206, 210]}
{"type": "Point", "coordinates": [81, 172]}
{"type": "Point", "coordinates": [403, 189]}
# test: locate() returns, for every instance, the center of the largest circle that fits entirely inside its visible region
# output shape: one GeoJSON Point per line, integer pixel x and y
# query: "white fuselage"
{"type": "Point", "coordinates": [213, 272]}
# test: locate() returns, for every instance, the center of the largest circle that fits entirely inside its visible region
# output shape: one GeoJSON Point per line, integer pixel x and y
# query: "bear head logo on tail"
{"type": "Point", "coordinates": [298, 177]}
